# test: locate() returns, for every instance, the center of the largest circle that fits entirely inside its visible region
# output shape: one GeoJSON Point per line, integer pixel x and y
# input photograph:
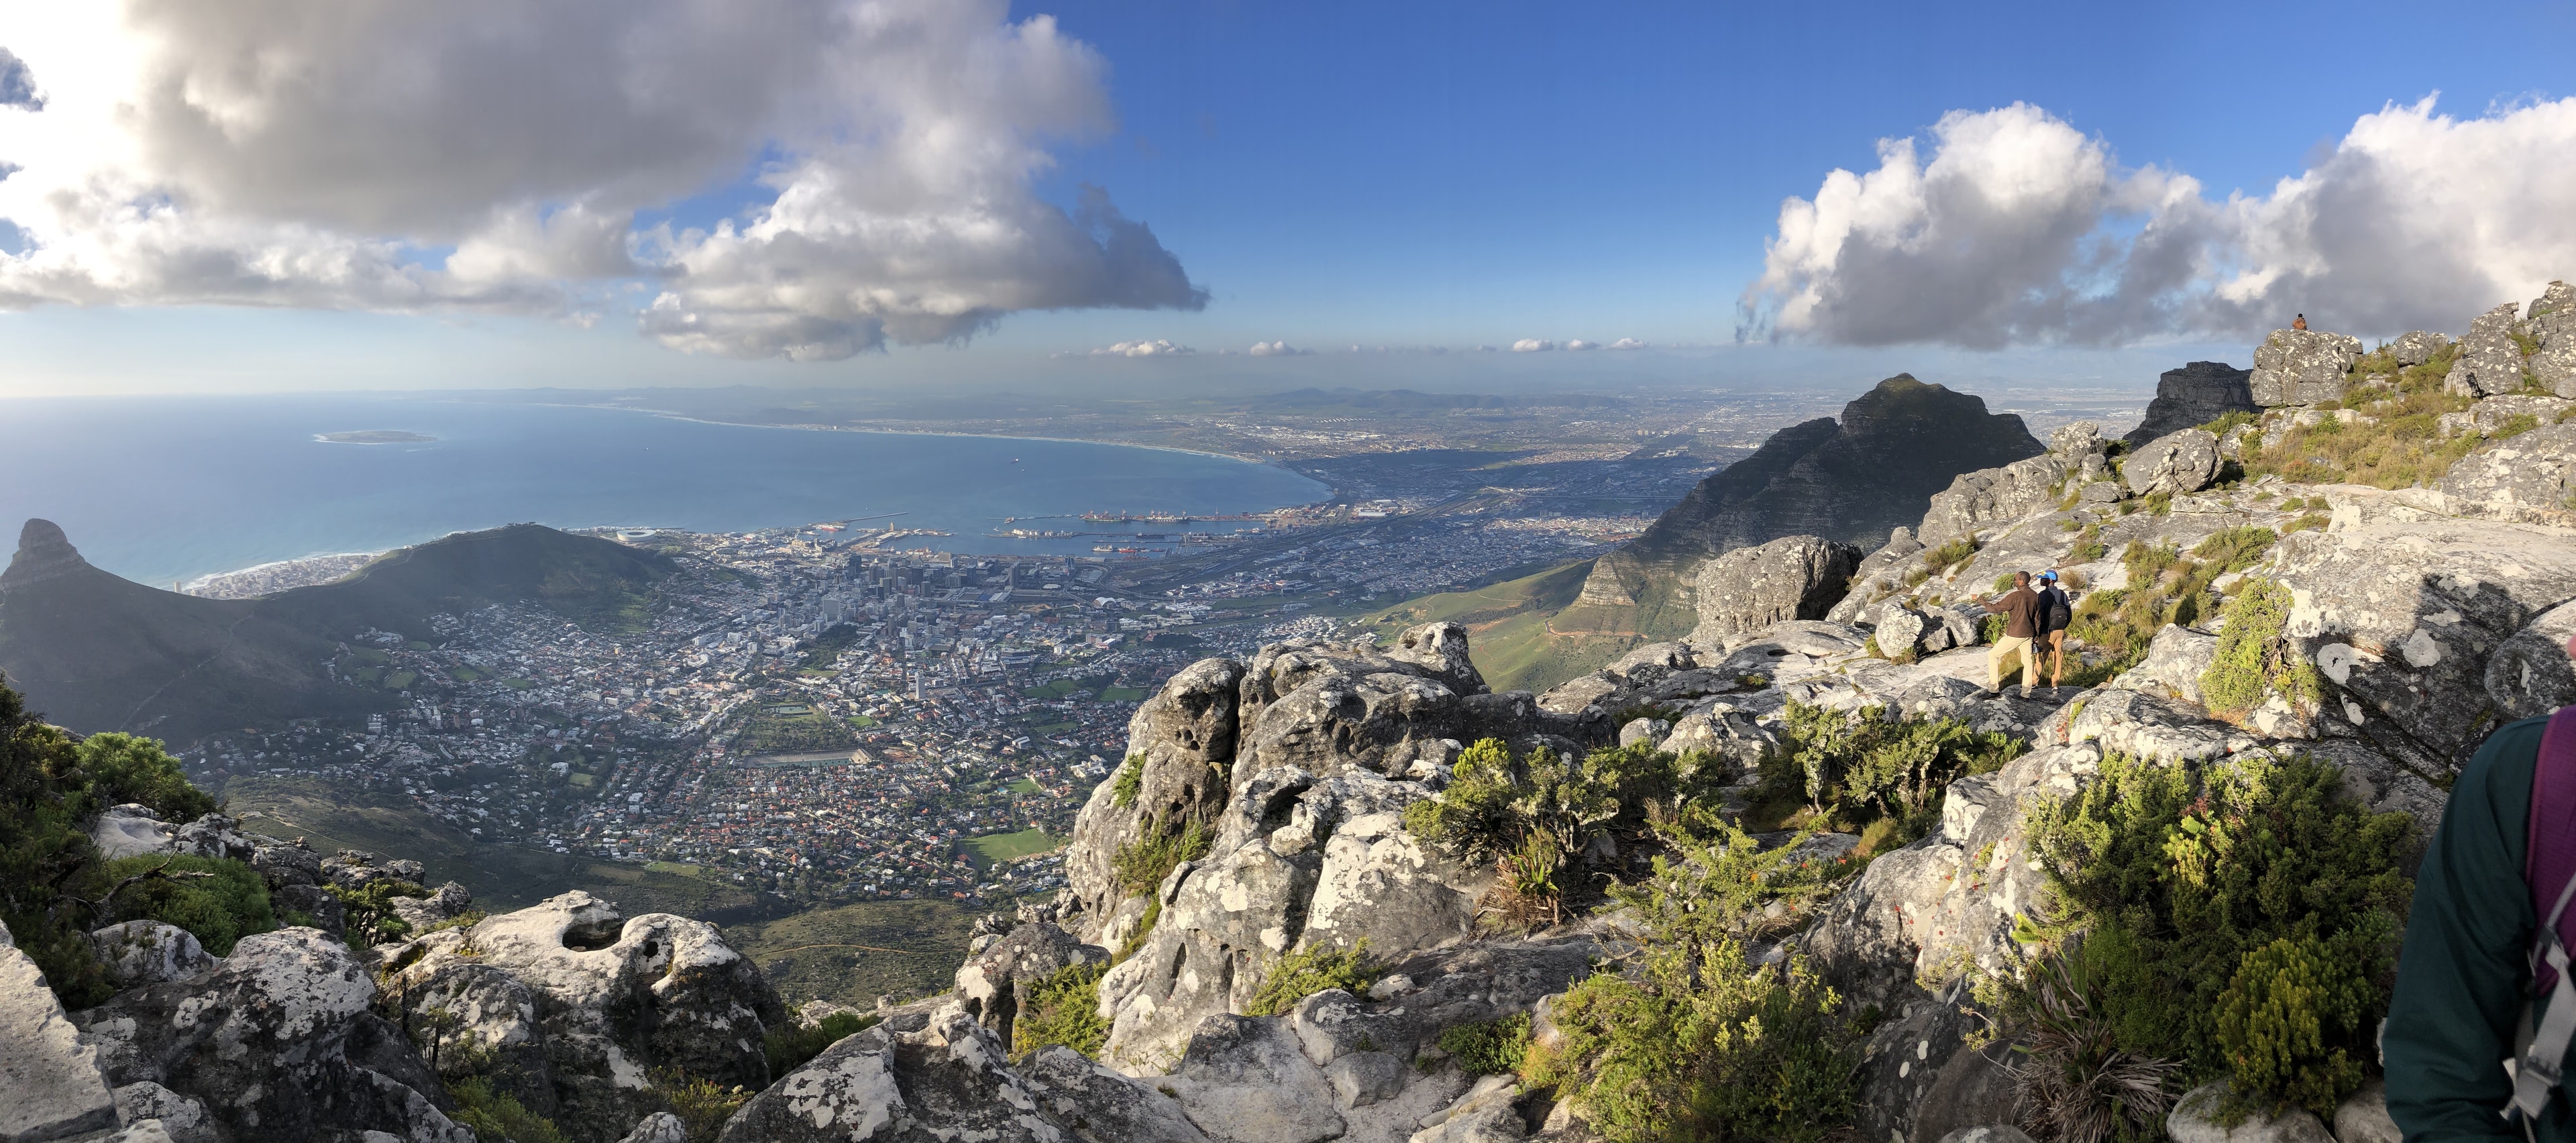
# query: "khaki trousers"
{"type": "Point", "coordinates": [2005, 648]}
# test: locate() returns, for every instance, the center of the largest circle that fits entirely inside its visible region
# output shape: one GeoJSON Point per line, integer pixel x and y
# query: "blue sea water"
{"type": "Point", "coordinates": [164, 489]}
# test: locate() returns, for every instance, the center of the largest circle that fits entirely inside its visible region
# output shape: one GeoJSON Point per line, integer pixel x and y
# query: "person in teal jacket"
{"type": "Point", "coordinates": [2463, 972]}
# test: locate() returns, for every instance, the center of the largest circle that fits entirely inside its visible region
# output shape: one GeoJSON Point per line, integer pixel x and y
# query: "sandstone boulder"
{"type": "Point", "coordinates": [183, 1119]}
{"type": "Point", "coordinates": [2181, 462]}
{"type": "Point", "coordinates": [2418, 347]}
{"type": "Point", "coordinates": [52, 1075]}
{"type": "Point", "coordinates": [1181, 740]}
{"type": "Point", "coordinates": [1794, 577]}
{"type": "Point", "coordinates": [2530, 477]}
{"type": "Point", "coordinates": [279, 1041]}
{"type": "Point", "coordinates": [2490, 363]}
{"type": "Point", "coordinates": [2552, 322]}
{"type": "Point", "coordinates": [2195, 1119]}
{"type": "Point", "coordinates": [2195, 394]}
{"type": "Point", "coordinates": [2301, 367]}
{"type": "Point", "coordinates": [659, 1127]}
{"type": "Point", "coordinates": [149, 952]}
{"type": "Point", "coordinates": [997, 982]}
{"type": "Point", "coordinates": [2173, 666]}
{"type": "Point", "coordinates": [1243, 1079]}
{"type": "Point", "coordinates": [1440, 649]}
{"type": "Point", "coordinates": [1102, 1106]}
{"type": "Point", "coordinates": [1900, 631]}
{"type": "Point", "coordinates": [922, 1077]}
{"type": "Point", "coordinates": [1989, 496]}
{"type": "Point", "coordinates": [1881, 574]}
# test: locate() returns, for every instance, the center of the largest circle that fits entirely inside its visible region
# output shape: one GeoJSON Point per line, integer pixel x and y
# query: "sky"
{"type": "Point", "coordinates": [239, 195]}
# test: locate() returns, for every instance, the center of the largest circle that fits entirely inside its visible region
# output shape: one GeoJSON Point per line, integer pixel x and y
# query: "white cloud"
{"type": "Point", "coordinates": [1627, 343]}
{"type": "Point", "coordinates": [1532, 345]}
{"type": "Point", "coordinates": [493, 155]}
{"type": "Point", "coordinates": [1580, 344]}
{"type": "Point", "coordinates": [2021, 230]}
{"type": "Point", "coordinates": [1155, 348]}
{"type": "Point", "coordinates": [1277, 349]}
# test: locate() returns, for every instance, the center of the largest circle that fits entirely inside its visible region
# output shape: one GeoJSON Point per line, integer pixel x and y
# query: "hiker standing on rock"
{"type": "Point", "coordinates": [2479, 1027]}
{"type": "Point", "coordinates": [2022, 615]}
{"type": "Point", "coordinates": [2056, 614]}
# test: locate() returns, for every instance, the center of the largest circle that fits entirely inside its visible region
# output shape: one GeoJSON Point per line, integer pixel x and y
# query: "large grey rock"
{"type": "Point", "coordinates": [2528, 674]}
{"type": "Point", "coordinates": [2186, 461]}
{"type": "Point", "coordinates": [1183, 738]}
{"type": "Point", "coordinates": [279, 1041]}
{"type": "Point", "coordinates": [2490, 363]}
{"type": "Point", "coordinates": [2195, 394]}
{"type": "Point", "coordinates": [659, 1127]}
{"type": "Point", "coordinates": [1900, 631]}
{"type": "Point", "coordinates": [2552, 321]}
{"type": "Point", "coordinates": [997, 982]}
{"type": "Point", "coordinates": [2422, 606]}
{"type": "Point", "coordinates": [2530, 477]}
{"type": "Point", "coordinates": [131, 831]}
{"type": "Point", "coordinates": [1882, 573]}
{"type": "Point", "coordinates": [1794, 577]}
{"type": "Point", "coordinates": [148, 952]}
{"type": "Point", "coordinates": [287, 864]}
{"type": "Point", "coordinates": [1987, 1133]}
{"type": "Point", "coordinates": [1102, 1106]}
{"type": "Point", "coordinates": [183, 1119]}
{"type": "Point", "coordinates": [1380, 885]}
{"type": "Point", "coordinates": [1440, 649]}
{"type": "Point", "coordinates": [2176, 658]}
{"type": "Point", "coordinates": [2301, 367]}
{"type": "Point", "coordinates": [1243, 1079]}
{"type": "Point", "coordinates": [1986, 497]}
{"type": "Point", "coordinates": [1379, 722]}
{"type": "Point", "coordinates": [51, 1076]}
{"type": "Point", "coordinates": [2195, 1119]}
{"type": "Point", "coordinates": [1485, 1114]}
{"type": "Point", "coordinates": [2363, 1116]}
{"type": "Point", "coordinates": [2418, 347]}
{"type": "Point", "coordinates": [935, 1076]}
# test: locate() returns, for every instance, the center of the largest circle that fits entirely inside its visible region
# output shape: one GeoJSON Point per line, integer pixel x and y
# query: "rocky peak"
{"type": "Point", "coordinates": [2195, 394]}
{"type": "Point", "coordinates": [44, 553]}
{"type": "Point", "coordinates": [2301, 367]}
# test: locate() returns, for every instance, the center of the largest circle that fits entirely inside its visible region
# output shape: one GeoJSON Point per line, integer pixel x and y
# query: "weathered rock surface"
{"type": "Point", "coordinates": [2195, 1119]}
{"type": "Point", "coordinates": [2301, 367]}
{"type": "Point", "coordinates": [51, 1076]}
{"type": "Point", "coordinates": [2489, 364]}
{"type": "Point", "coordinates": [2175, 660]}
{"type": "Point", "coordinates": [659, 1127]}
{"type": "Point", "coordinates": [1989, 496]}
{"type": "Point", "coordinates": [2530, 477]}
{"type": "Point", "coordinates": [2418, 347]}
{"type": "Point", "coordinates": [997, 982]}
{"type": "Point", "coordinates": [2552, 322]}
{"type": "Point", "coordinates": [2186, 461]}
{"type": "Point", "coordinates": [921, 1078]}
{"type": "Point", "coordinates": [183, 1119]}
{"type": "Point", "coordinates": [277, 1042]}
{"type": "Point", "coordinates": [1243, 1079]}
{"type": "Point", "coordinates": [2195, 394]}
{"type": "Point", "coordinates": [1881, 573]}
{"type": "Point", "coordinates": [1794, 577]}
{"type": "Point", "coordinates": [149, 952]}
{"type": "Point", "coordinates": [1101, 1106]}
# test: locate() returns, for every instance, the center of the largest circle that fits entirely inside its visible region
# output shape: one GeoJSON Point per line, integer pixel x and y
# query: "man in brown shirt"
{"type": "Point", "coordinates": [2020, 608]}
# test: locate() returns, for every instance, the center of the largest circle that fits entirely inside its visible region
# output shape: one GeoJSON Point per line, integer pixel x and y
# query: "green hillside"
{"type": "Point", "coordinates": [1509, 631]}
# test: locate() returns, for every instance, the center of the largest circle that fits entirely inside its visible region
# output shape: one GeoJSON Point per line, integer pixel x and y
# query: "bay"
{"type": "Point", "coordinates": [164, 489]}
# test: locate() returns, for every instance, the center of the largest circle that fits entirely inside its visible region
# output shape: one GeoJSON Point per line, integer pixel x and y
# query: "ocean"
{"type": "Point", "coordinates": [162, 490]}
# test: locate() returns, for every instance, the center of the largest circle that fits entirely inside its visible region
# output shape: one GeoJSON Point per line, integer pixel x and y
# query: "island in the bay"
{"type": "Point", "coordinates": [374, 436]}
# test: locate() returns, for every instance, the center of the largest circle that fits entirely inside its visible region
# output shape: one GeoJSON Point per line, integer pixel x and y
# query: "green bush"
{"type": "Point", "coordinates": [1141, 865]}
{"type": "Point", "coordinates": [2254, 659]}
{"type": "Point", "coordinates": [48, 866]}
{"type": "Point", "coordinates": [498, 1117]}
{"type": "Point", "coordinates": [2290, 1020]}
{"type": "Point", "coordinates": [789, 1048]}
{"type": "Point", "coordinates": [1063, 1009]}
{"type": "Point", "coordinates": [1489, 1047]}
{"type": "Point", "coordinates": [368, 914]}
{"type": "Point", "coordinates": [1940, 560]}
{"type": "Point", "coordinates": [1129, 782]}
{"type": "Point", "coordinates": [122, 768]}
{"type": "Point", "coordinates": [701, 1104]}
{"type": "Point", "coordinates": [218, 900]}
{"type": "Point", "coordinates": [1855, 767]}
{"type": "Point", "coordinates": [2235, 549]}
{"type": "Point", "coordinates": [1538, 813]}
{"type": "Point", "coordinates": [1302, 974]}
{"type": "Point", "coordinates": [2173, 874]}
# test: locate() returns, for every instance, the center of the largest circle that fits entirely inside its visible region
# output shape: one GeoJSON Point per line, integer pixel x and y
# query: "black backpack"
{"type": "Point", "coordinates": [2061, 613]}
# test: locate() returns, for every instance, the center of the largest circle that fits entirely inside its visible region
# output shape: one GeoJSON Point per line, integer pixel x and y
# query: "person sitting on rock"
{"type": "Point", "coordinates": [2300, 322]}
{"type": "Point", "coordinates": [2471, 1006]}
{"type": "Point", "coordinates": [2056, 613]}
{"type": "Point", "coordinates": [2021, 612]}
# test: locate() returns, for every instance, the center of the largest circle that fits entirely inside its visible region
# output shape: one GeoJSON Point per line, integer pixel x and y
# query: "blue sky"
{"type": "Point", "coordinates": [1442, 174]}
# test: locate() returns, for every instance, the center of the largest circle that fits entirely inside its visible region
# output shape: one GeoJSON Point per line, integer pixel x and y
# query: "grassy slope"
{"type": "Point", "coordinates": [855, 953]}
{"type": "Point", "coordinates": [993, 847]}
{"type": "Point", "coordinates": [1508, 628]}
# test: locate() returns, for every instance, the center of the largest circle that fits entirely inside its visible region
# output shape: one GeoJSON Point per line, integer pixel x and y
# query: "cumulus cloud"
{"type": "Point", "coordinates": [2020, 229]}
{"type": "Point", "coordinates": [1532, 345]}
{"type": "Point", "coordinates": [1277, 349]}
{"type": "Point", "coordinates": [494, 155]}
{"type": "Point", "coordinates": [1579, 344]}
{"type": "Point", "coordinates": [1155, 348]}
{"type": "Point", "coordinates": [1627, 343]}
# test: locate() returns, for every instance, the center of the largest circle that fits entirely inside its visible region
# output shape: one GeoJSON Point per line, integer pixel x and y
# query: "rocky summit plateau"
{"type": "Point", "coordinates": [1800, 872]}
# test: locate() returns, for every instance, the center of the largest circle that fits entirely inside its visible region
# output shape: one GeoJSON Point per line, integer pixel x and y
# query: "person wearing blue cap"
{"type": "Point", "coordinates": [2056, 614]}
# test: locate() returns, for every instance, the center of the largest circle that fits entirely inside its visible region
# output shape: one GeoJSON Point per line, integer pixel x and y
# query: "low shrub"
{"type": "Point", "coordinates": [1853, 767]}
{"type": "Point", "coordinates": [2078, 1085]}
{"type": "Point", "coordinates": [498, 1117]}
{"type": "Point", "coordinates": [1063, 1009]}
{"type": "Point", "coordinates": [791, 1047]}
{"type": "Point", "coordinates": [1129, 782]}
{"type": "Point", "coordinates": [2255, 659]}
{"type": "Point", "coordinates": [702, 1104]}
{"type": "Point", "coordinates": [218, 900]}
{"type": "Point", "coordinates": [1536, 814]}
{"type": "Point", "coordinates": [1489, 1047]}
{"type": "Point", "coordinates": [368, 913]}
{"type": "Point", "coordinates": [1946, 558]}
{"type": "Point", "coordinates": [122, 768]}
{"type": "Point", "coordinates": [1305, 973]}
{"type": "Point", "coordinates": [1141, 865]}
{"type": "Point", "coordinates": [2235, 549]}
{"type": "Point", "coordinates": [2169, 878]}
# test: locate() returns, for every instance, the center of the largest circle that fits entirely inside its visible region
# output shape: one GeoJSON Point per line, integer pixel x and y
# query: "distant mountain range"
{"type": "Point", "coordinates": [97, 652]}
